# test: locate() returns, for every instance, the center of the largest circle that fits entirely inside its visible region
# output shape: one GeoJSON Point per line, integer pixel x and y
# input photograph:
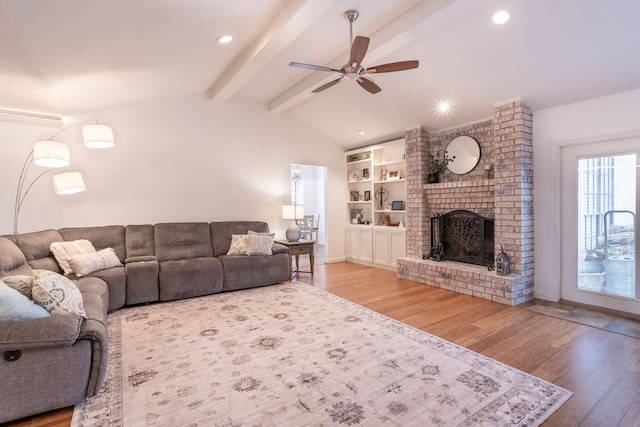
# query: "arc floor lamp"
{"type": "Point", "coordinates": [55, 155]}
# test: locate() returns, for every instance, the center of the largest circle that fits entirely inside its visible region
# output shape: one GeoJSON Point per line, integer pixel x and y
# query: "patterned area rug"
{"type": "Point", "coordinates": [294, 355]}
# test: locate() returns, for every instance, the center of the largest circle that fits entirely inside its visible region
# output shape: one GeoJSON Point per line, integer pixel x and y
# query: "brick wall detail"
{"type": "Point", "coordinates": [500, 187]}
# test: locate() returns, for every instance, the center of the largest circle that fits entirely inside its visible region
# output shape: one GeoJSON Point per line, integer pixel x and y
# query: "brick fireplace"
{"type": "Point", "coordinates": [500, 187]}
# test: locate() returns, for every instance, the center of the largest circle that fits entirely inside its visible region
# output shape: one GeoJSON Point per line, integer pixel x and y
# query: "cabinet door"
{"type": "Point", "coordinates": [397, 246]}
{"type": "Point", "coordinates": [366, 244]}
{"type": "Point", "coordinates": [381, 246]}
{"type": "Point", "coordinates": [352, 243]}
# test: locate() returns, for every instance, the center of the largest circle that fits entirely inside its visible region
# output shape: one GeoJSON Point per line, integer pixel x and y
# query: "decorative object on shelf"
{"type": "Point", "coordinates": [54, 155]}
{"type": "Point", "coordinates": [367, 195]}
{"type": "Point", "coordinates": [365, 173]}
{"type": "Point", "coordinates": [463, 153]}
{"type": "Point", "coordinates": [293, 212]}
{"type": "Point", "coordinates": [393, 175]}
{"type": "Point", "coordinates": [436, 166]}
{"type": "Point", "coordinates": [502, 263]}
{"type": "Point", "coordinates": [354, 176]}
{"type": "Point", "coordinates": [382, 195]}
{"type": "Point", "coordinates": [354, 196]}
{"type": "Point", "coordinates": [386, 220]}
{"type": "Point", "coordinates": [383, 175]}
{"type": "Point", "coordinates": [397, 205]}
{"type": "Point", "coordinates": [356, 216]}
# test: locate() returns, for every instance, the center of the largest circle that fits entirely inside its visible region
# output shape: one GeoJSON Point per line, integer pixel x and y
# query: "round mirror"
{"type": "Point", "coordinates": [463, 153]}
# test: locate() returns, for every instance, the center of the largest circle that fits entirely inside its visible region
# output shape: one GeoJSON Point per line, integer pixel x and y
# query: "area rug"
{"type": "Point", "coordinates": [294, 355]}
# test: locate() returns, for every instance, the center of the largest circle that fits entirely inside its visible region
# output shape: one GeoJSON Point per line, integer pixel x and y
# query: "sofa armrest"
{"type": "Point", "coordinates": [57, 330]}
{"type": "Point", "coordinates": [96, 332]}
{"type": "Point", "coordinates": [278, 248]}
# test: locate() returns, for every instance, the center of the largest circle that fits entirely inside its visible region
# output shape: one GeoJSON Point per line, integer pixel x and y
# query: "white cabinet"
{"type": "Point", "coordinates": [376, 192]}
{"type": "Point", "coordinates": [360, 243]}
{"type": "Point", "coordinates": [389, 244]}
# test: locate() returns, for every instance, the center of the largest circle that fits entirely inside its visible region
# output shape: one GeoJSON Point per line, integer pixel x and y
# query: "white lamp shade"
{"type": "Point", "coordinates": [51, 154]}
{"type": "Point", "coordinates": [68, 183]}
{"type": "Point", "coordinates": [292, 211]}
{"type": "Point", "coordinates": [98, 136]}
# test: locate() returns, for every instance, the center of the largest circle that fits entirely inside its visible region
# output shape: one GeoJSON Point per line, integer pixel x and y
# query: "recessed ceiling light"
{"type": "Point", "coordinates": [361, 132]}
{"type": "Point", "coordinates": [500, 17]}
{"type": "Point", "coordinates": [224, 39]}
{"type": "Point", "coordinates": [444, 106]}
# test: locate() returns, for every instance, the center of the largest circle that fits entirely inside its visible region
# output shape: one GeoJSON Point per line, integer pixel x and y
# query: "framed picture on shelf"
{"type": "Point", "coordinates": [367, 195]}
{"type": "Point", "coordinates": [365, 173]}
{"type": "Point", "coordinates": [354, 196]}
{"type": "Point", "coordinates": [393, 175]}
{"type": "Point", "coordinates": [397, 205]}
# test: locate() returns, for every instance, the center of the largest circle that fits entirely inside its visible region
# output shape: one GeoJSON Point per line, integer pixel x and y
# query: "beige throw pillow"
{"type": "Point", "coordinates": [65, 250]}
{"type": "Point", "coordinates": [84, 264]}
{"type": "Point", "coordinates": [260, 244]}
{"type": "Point", "coordinates": [239, 244]}
{"type": "Point", "coordinates": [57, 293]}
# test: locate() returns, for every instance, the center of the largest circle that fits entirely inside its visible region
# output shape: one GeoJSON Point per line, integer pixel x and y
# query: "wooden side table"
{"type": "Point", "coordinates": [301, 247]}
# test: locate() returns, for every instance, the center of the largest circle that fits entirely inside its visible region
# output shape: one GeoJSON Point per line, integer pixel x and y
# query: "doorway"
{"type": "Point", "coordinates": [599, 201]}
{"type": "Point", "coordinates": [308, 184]}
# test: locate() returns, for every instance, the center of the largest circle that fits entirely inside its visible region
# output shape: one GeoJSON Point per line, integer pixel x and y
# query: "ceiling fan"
{"type": "Point", "coordinates": [353, 70]}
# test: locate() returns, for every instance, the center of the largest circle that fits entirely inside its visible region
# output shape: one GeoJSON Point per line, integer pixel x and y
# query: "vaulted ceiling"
{"type": "Point", "coordinates": [69, 57]}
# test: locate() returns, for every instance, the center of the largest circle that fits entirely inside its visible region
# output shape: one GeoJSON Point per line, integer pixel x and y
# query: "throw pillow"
{"type": "Point", "coordinates": [257, 233]}
{"type": "Point", "coordinates": [84, 264]}
{"type": "Point", "coordinates": [65, 250]}
{"type": "Point", "coordinates": [15, 306]}
{"type": "Point", "coordinates": [57, 293]}
{"type": "Point", "coordinates": [259, 244]}
{"type": "Point", "coordinates": [22, 284]}
{"type": "Point", "coordinates": [239, 244]}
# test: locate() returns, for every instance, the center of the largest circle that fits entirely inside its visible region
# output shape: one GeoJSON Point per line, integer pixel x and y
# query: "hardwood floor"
{"type": "Point", "coordinates": [601, 368]}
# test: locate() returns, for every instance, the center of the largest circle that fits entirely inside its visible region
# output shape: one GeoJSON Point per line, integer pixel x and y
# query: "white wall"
{"type": "Point", "coordinates": [182, 160]}
{"type": "Point", "coordinates": [602, 119]}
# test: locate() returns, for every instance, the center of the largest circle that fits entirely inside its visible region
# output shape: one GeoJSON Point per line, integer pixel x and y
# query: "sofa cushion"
{"type": "Point", "coordinates": [222, 231]}
{"type": "Point", "coordinates": [57, 294]}
{"type": "Point", "coordinates": [139, 240]}
{"type": "Point", "coordinates": [185, 240]}
{"type": "Point", "coordinates": [84, 264]}
{"type": "Point", "coordinates": [16, 306]}
{"type": "Point", "coordinates": [116, 280]}
{"type": "Point", "coordinates": [36, 248]}
{"type": "Point", "coordinates": [12, 260]}
{"type": "Point", "coordinates": [186, 278]}
{"type": "Point", "coordinates": [108, 236]}
{"type": "Point", "coordinates": [242, 272]}
{"type": "Point", "coordinates": [62, 251]}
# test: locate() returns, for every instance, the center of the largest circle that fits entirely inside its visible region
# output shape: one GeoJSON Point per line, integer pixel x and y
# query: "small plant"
{"type": "Point", "coordinates": [436, 166]}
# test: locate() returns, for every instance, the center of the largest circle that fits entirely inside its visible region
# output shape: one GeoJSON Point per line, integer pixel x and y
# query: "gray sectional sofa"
{"type": "Point", "coordinates": [60, 360]}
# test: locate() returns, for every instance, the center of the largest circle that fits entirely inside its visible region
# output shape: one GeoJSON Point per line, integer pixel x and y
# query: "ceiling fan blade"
{"type": "Point", "coordinates": [327, 85]}
{"type": "Point", "coordinates": [368, 85]}
{"type": "Point", "coordinates": [311, 67]}
{"type": "Point", "coordinates": [358, 49]}
{"type": "Point", "coordinates": [393, 66]}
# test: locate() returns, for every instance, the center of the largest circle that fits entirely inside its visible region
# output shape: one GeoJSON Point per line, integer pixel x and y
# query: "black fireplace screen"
{"type": "Point", "coordinates": [462, 236]}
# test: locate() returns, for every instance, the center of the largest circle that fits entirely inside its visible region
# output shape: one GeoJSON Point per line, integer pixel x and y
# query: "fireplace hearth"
{"type": "Point", "coordinates": [462, 236]}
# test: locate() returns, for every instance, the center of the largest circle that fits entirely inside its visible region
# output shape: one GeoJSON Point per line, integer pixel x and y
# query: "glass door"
{"type": "Point", "coordinates": [599, 205]}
